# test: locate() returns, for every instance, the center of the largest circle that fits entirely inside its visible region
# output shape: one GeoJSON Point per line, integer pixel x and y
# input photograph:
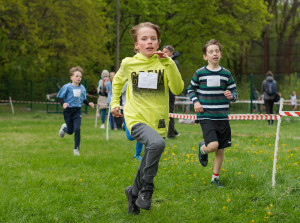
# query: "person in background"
{"type": "Point", "coordinates": [172, 132]}
{"type": "Point", "coordinates": [112, 119]}
{"type": "Point", "coordinates": [71, 97]}
{"type": "Point", "coordinates": [255, 97]}
{"type": "Point", "coordinates": [294, 101]}
{"type": "Point", "coordinates": [139, 146]}
{"type": "Point", "coordinates": [102, 99]}
{"type": "Point", "coordinates": [269, 90]}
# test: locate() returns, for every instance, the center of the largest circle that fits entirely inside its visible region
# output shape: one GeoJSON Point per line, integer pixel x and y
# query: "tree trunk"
{"type": "Point", "coordinates": [117, 36]}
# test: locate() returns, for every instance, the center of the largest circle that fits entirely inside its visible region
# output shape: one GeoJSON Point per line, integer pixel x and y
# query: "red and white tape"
{"type": "Point", "coordinates": [30, 102]}
{"type": "Point", "coordinates": [290, 113]}
{"type": "Point", "coordinates": [232, 117]}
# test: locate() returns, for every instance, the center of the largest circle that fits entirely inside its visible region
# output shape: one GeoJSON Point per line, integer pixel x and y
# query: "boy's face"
{"type": "Point", "coordinates": [213, 55]}
{"type": "Point", "coordinates": [147, 42]}
{"type": "Point", "coordinates": [76, 78]}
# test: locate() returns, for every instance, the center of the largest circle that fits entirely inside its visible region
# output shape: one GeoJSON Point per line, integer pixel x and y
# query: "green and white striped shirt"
{"type": "Point", "coordinates": [208, 88]}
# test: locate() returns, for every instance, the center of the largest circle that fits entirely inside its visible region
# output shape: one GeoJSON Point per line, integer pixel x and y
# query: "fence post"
{"type": "Point", "coordinates": [31, 99]}
{"type": "Point", "coordinates": [251, 93]}
{"type": "Point", "coordinates": [276, 145]}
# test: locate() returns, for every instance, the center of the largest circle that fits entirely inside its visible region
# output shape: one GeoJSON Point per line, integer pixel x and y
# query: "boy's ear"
{"type": "Point", "coordinates": [204, 57]}
{"type": "Point", "coordinates": [136, 45]}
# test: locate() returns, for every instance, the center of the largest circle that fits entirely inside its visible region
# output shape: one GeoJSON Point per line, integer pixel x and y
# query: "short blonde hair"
{"type": "Point", "coordinates": [74, 69]}
{"type": "Point", "coordinates": [211, 42]}
{"type": "Point", "coordinates": [269, 73]}
{"type": "Point", "coordinates": [134, 30]}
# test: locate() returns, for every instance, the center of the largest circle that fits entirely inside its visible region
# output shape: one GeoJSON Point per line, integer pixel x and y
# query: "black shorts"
{"type": "Point", "coordinates": [216, 131]}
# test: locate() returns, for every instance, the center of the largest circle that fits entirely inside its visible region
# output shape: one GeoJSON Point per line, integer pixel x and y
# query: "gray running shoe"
{"type": "Point", "coordinates": [132, 208]}
{"type": "Point", "coordinates": [76, 152]}
{"type": "Point", "coordinates": [144, 199]}
{"type": "Point", "coordinates": [61, 131]}
{"type": "Point", "coordinates": [203, 158]}
{"type": "Point", "coordinates": [217, 183]}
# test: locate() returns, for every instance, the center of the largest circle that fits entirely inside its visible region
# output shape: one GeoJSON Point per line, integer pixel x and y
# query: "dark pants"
{"type": "Point", "coordinates": [171, 131]}
{"type": "Point", "coordinates": [154, 147]}
{"type": "Point", "coordinates": [269, 108]}
{"type": "Point", "coordinates": [72, 118]}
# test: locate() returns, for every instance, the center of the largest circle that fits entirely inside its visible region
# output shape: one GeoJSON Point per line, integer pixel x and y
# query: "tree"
{"type": "Point", "coordinates": [284, 28]}
{"type": "Point", "coordinates": [41, 38]}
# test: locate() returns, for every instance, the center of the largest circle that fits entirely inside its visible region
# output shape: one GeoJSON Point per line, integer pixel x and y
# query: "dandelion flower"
{"type": "Point", "coordinates": [269, 213]}
{"type": "Point", "coordinates": [80, 179]}
{"type": "Point", "coordinates": [252, 220]}
{"type": "Point", "coordinates": [228, 200]}
{"type": "Point", "coordinates": [224, 208]}
{"type": "Point", "coordinates": [252, 175]}
{"type": "Point", "coordinates": [271, 205]}
{"type": "Point", "coordinates": [194, 199]}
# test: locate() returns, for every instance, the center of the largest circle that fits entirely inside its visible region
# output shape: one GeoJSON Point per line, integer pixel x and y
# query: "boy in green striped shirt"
{"type": "Point", "coordinates": [211, 90]}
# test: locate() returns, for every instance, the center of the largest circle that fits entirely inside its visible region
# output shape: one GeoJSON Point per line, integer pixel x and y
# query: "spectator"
{"type": "Point", "coordinates": [172, 132]}
{"type": "Point", "coordinates": [102, 99]}
{"type": "Point", "coordinates": [112, 119]}
{"type": "Point", "coordinates": [294, 101]}
{"type": "Point", "coordinates": [269, 90]}
{"type": "Point", "coordinates": [139, 146]}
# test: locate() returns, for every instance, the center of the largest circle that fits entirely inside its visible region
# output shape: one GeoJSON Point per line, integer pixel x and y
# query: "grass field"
{"type": "Point", "coordinates": [41, 180]}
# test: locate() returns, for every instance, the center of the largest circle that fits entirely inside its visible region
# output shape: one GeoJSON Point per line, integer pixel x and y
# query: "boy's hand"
{"type": "Point", "coordinates": [161, 54]}
{"type": "Point", "coordinates": [198, 107]}
{"type": "Point", "coordinates": [65, 105]}
{"type": "Point", "coordinates": [228, 94]}
{"type": "Point", "coordinates": [115, 112]}
{"type": "Point", "coordinates": [91, 104]}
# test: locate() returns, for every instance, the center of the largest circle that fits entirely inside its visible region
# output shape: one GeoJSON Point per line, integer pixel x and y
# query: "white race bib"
{"type": "Point", "coordinates": [76, 93]}
{"type": "Point", "coordinates": [147, 80]}
{"type": "Point", "coordinates": [213, 81]}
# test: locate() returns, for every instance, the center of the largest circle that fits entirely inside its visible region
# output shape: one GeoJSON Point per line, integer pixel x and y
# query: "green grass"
{"type": "Point", "coordinates": [41, 180]}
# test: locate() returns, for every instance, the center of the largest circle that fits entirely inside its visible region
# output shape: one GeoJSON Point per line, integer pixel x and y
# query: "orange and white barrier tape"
{"type": "Point", "coordinates": [290, 113]}
{"type": "Point", "coordinates": [30, 102]}
{"type": "Point", "coordinates": [232, 117]}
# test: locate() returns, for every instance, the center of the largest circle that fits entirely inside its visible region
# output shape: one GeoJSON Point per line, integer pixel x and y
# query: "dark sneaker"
{"type": "Point", "coordinates": [132, 208]}
{"type": "Point", "coordinates": [217, 183]}
{"type": "Point", "coordinates": [144, 198]}
{"type": "Point", "coordinates": [203, 158]}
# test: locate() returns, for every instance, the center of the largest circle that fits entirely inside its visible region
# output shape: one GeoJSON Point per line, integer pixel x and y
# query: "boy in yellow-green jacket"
{"type": "Point", "coordinates": [150, 75]}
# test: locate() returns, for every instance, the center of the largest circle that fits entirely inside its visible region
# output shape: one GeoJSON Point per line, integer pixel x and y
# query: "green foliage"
{"type": "Point", "coordinates": [41, 39]}
{"type": "Point", "coordinates": [188, 25]}
{"type": "Point", "coordinates": [41, 180]}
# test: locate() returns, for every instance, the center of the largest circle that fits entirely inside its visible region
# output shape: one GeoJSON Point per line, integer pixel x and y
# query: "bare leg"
{"type": "Point", "coordinates": [219, 157]}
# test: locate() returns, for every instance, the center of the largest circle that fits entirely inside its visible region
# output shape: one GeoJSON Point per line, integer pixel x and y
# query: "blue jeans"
{"type": "Point", "coordinates": [103, 114]}
{"type": "Point", "coordinates": [139, 146]}
{"type": "Point", "coordinates": [72, 118]}
{"type": "Point", "coordinates": [112, 122]}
